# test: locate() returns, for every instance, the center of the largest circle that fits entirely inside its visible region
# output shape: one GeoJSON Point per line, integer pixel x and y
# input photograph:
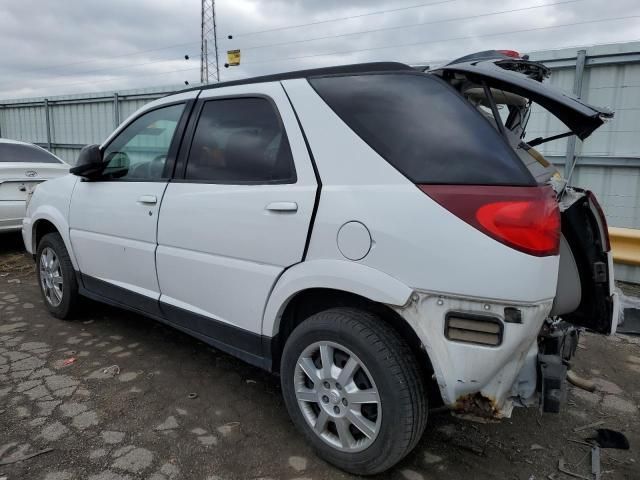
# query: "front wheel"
{"type": "Point", "coordinates": [56, 276]}
{"type": "Point", "coordinates": [354, 388]}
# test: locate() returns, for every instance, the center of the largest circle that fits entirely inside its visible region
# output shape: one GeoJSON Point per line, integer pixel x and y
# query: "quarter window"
{"type": "Point", "coordinates": [424, 128]}
{"type": "Point", "coordinates": [140, 151]}
{"type": "Point", "coordinates": [240, 140]}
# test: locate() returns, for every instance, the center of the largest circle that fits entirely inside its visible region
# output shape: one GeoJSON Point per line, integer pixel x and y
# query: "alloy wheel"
{"type": "Point", "coordinates": [51, 279]}
{"type": "Point", "coordinates": [337, 396]}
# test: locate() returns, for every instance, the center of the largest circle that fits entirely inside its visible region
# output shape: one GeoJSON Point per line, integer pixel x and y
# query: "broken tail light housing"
{"type": "Point", "coordinates": [524, 218]}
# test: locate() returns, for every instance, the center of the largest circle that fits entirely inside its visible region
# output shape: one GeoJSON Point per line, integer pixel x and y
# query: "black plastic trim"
{"type": "Point", "coordinates": [121, 296]}
{"type": "Point", "coordinates": [110, 294]}
{"type": "Point", "coordinates": [179, 137]}
{"type": "Point", "coordinates": [341, 69]}
{"type": "Point", "coordinates": [236, 341]}
{"type": "Point", "coordinates": [251, 347]}
{"type": "Point", "coordinates": [185, 146]}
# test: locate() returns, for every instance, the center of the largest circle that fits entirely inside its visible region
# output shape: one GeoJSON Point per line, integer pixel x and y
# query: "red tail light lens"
{"type": "Point", "coordinates": [510, 53]}
{"type": "Point", "coordinates": [529, 225]}
{"type": "Point", "coordinates": [524, 218]}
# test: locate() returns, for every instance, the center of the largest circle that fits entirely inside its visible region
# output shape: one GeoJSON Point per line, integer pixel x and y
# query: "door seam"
{"type": "Point", "coordinates": [155, 251]}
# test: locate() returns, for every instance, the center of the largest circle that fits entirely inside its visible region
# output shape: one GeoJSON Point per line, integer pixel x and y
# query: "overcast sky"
{"type": "Point", "coordinates": [78, 46]}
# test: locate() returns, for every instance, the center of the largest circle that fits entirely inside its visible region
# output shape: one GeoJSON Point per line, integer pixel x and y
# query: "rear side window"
{"type": "Point", "coordinates": [240, 140]}
{"type": "Point", "coordinates": [423, 128]}
{"type": "Point", "coordinates": [17, 152]}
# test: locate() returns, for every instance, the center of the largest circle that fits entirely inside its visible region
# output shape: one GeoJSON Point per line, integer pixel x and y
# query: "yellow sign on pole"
{"type": "Point", "coordinates": [233, 58]}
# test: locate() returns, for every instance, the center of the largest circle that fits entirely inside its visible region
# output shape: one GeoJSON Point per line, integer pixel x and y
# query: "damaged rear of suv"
{"type": "Point", "coordinates": [504, 88]}
{"type": "Point", "coordinates": [505, 262]}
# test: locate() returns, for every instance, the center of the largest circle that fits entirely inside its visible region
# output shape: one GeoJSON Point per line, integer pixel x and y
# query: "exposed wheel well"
{"type": "Point", "coordinates": [40, 229]}
{"type": "Point", "coordinates": [309, 302]}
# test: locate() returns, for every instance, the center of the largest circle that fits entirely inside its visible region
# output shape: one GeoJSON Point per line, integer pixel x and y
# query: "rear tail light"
{"type": "Point", "coordinates": [524, 218]}
{"type": "Point", "coordinates": [602, 221]}
{"type": "Point", "coordinates": [509, 53]}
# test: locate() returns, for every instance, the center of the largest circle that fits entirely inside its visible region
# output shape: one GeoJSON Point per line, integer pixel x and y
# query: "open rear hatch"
{"type": "Point", "coordinates": [492, 79]}
{"type": "Point", "coordinates": [504, 74]}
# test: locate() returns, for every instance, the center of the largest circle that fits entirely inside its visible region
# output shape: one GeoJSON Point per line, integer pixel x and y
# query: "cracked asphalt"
{"type": "Point", "coordinates": [112, 395]}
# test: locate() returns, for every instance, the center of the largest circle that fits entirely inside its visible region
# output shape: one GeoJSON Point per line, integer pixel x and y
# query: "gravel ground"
{"type": "Point", "coordinates": [124, 408]}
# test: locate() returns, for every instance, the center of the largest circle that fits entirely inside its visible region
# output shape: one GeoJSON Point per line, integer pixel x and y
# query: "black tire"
{"type": "Point", "coordinates": [394, 370]}
{"type": "Point", "coordinates": [69, 300]}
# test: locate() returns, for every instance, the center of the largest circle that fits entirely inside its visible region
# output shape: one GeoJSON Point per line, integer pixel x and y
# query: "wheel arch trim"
{"type": "Point", "coordinates": [57, 219]}
{"type": "Point", "coordinates": [340, 275]}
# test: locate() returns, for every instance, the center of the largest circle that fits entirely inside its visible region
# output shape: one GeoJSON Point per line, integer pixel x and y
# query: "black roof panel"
{"type": "Point", "coordinates": [313, 72]}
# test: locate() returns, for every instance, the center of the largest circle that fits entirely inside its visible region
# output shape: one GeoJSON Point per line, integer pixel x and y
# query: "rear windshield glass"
{"type": "Point", "coordinates": [423, 128]}
{"type": "Point", "coordinates": [17, 152]}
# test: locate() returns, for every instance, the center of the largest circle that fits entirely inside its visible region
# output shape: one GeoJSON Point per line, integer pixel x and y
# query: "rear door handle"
{"type": "Point", "coordinates": [282, 207]}
{"type": "Point", "coordinates": [148, 199]}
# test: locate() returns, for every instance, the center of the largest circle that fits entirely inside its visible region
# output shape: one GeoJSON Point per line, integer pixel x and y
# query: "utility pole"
{"type": "Point", "coordinates": [208, 35]}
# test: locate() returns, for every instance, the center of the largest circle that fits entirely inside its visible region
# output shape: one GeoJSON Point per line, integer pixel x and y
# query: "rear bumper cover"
{"type": "Point", "coordinates": [473, 378]}
{"type": "Point", "coordinates": [11, 214]}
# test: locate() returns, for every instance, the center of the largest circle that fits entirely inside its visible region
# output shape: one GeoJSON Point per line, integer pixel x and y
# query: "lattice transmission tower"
{"type": "Point", "coordinates": [208, 38]}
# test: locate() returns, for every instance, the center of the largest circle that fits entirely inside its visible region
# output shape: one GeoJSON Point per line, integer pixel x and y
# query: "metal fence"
{"type": "Point", "coordinates": [608, 162]}
{"type": "Point", "coordinates": [65, 124]}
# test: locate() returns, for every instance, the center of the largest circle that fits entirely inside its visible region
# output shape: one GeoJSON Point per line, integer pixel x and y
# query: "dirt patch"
{"type": "Point", "coordinates": [16, 265]}
{"type": "Point", "coordinates": [13, 258]}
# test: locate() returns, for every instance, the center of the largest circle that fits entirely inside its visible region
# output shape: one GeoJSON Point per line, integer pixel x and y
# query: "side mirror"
{"type": "Point", "coordinates": [89, 164]}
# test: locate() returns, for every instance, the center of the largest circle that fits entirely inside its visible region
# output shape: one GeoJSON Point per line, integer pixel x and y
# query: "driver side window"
{"type": "Point", "coordinates": [139, 152]}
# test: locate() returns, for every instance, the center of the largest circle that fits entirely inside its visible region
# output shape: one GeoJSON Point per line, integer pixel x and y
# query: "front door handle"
{"type": "Point", "coordinates": [282, 207]}
{"type": "Point", "coordinates": [148, 199]}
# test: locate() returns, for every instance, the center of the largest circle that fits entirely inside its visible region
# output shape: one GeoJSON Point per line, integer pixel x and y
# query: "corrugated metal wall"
{"type": "Point", "coordinates": [617, 190]}
{"type": "Point", "coordinates": [74, 120]}
{"type": "Point", "coordinates": [24, 123]}
{"type": "Point", "coordinates": [608, 162]}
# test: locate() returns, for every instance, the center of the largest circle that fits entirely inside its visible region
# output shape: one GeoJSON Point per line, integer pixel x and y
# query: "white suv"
{"type": "Point", "coordinates": [370, 232]}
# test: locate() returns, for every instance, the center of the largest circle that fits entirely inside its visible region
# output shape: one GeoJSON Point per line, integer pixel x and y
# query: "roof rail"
{"type": "Point", "coordinates": [313, 72]}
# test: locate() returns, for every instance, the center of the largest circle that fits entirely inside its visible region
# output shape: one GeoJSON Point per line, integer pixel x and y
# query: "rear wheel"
{"type": "Point", "coordinates": [354, 388]}
{"type": "Point", "coordinates": [56, 276]}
